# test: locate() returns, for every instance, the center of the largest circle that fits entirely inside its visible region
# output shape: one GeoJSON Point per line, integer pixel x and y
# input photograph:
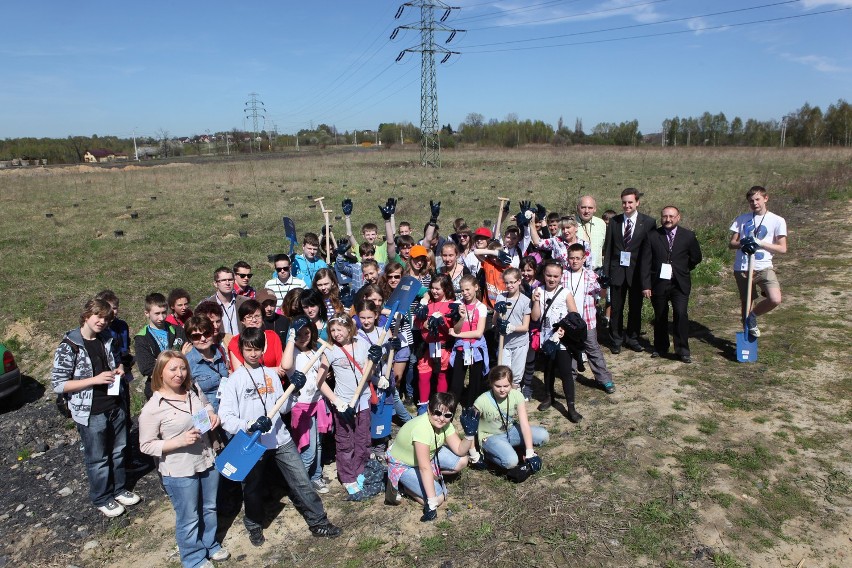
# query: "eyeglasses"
{"type": "Point", "coordinates": [463, 236]}
{"type": "Point", "coordinates": [447, 415]}
{"type": "Point", "coordinates": [249, 275]}
{"type": "Point", "coordinates": [199, 336]}
{"type": "Point", "coordinates": [282, 269]}
{"type": "Point", "coordinates": [253, 317]}
{"type": "Point", "coordinates": [394, 277]}
{"type": "Point", "coordinates": [225, 280]}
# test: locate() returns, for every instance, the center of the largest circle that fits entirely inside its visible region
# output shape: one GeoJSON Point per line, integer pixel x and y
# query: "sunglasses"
{"type": "Point", "coordinates": [394, 277]}
{"type": "Point", "coordinates": [199, 336]}
{"type": "Point", "coordinates": [282, 269]}
{"type": "Point", "coordinates": [249, 275]}
{"type": "Point", "coordinates": [447, 415]}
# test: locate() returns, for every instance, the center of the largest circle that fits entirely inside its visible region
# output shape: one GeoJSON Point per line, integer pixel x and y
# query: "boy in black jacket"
{"type": "Point", "coordinates": [155, 337]}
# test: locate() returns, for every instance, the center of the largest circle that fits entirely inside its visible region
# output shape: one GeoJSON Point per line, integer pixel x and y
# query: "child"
{"type": "Point", "coordinates": [310, 418]}
{"type": "Point", "coordinates": [85, 365]}
{"type": "Point", "coordinates": [529, 273]}
{"type": "Point", "coordinates": [121, 334]}
{"type": "Point", "coordinates": [347, 358]}
{"type": "Point", "coordinates": [155, 337]}
{"type": "Point", "coordinates": [512, 320]}
{"type": "Point", "coordinates": [403, 247]}
{"type": "Point", "coordinates": [246, 398]}
{"type": "Point", "coordinates": [251, 316]}
{"type": "Point", "coordinates": [306, 265]}
{"type": "Point", "coordinates": [325, 281]}
{"type": "Point", "coordinates": [419, 265]}
{"type": "Point", "coordinates": [761, 234]}
{"type": "Point", "coordinates": [213, 311]}
{"type": "Point", "coordinates": [272, 320]}
{"type": "Point", "coordinates": [179, 302]}
{"type": "Point", "coordinates": [500, 436]}
{"type": "Point", "coordinates": [550, 304]}
{"type": "Point", "coordinates": [493, 261]}
{"type": "Point", "coordinates": [451, 266]}
{"type": "Point", "coordinates": [313, 307]}
{"type": "Point", "coordinates": [583, 285]}
{"type": "Point", "coordinates": [283, 282]}
{"type": "Point", "coordinates": [469, 352]}
{"type": "Point", "coordinates": [424, 450]}
{"type": "Point", "coordinates": [360, 273]}
{"type": "Point", "coordinates": [431, 318]}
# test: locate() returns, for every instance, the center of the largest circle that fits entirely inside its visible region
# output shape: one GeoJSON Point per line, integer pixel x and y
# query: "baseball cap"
{"type": "Point", "coordinates": [483, 232]}
{"type": "Point", "coordinates": [418, 250]}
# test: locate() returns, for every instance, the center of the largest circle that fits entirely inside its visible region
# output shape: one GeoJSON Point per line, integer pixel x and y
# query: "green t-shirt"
{"type": "Point", "coordinates": [490, 422]}
{"type": "Point", "coordinates": [418, 430]}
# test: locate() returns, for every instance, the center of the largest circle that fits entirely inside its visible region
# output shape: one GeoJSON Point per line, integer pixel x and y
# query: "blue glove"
{"type": "Point", "coordinates": [550, 348]}
{"type": "Point", "coordinates": [504, 257]}
{"type": "Point", "coordinates": [299, 323]}
{"type": "Point", "coordinates": [435, 208]}
{"type": "Point", "coordinates": [433, 324]}
{"type": "Point", "coordinates": [298, 380]}
{"type": "Point", "coordinates": [262, 424]}
{"type": "Point", "coordinates": [501, 307]}
{"type": "Point", "coordinates": [374, 353]}
{"type": "Point", "coordinates": [470, 421]}
{"type": "Point", "coordinates": [421, 311]}
{"type": "Point", "coordinates": [526, 206]}
{"type": "Point", "coordinates": [454, 314]}
{"type": "Point", "coordinates": [343, 245]}
{"type": "Point", "coordinates": [429, 514]}
{"type": "Point", "coordinates": [395, 344]}
{"type": "Point", "coordinates": [347, 207]}
{"type": "Point", "coordinates": [749, 245]}
{"type": "Point", "coordinates": [502, 327]}
{"type": "Point", "coordinates": [521, 220]}
{"type": "Point", "coordinates": [535, 463]}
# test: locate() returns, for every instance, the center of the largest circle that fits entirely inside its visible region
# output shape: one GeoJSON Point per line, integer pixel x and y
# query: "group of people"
{"type": "Point", "coordinates": [491, 306]}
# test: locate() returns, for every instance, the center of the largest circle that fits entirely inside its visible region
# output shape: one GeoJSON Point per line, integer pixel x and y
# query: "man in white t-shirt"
{"type": "Point", "coordinates": [763, 234]}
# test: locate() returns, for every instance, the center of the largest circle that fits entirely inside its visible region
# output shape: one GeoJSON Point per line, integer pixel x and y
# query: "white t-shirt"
{"type": "Point", "coordinates": [520, 308]}
{"type": "Point", "coordinates": [557, 311]}
{"type": "Point", "coordinates": [309, 393]}
{"type": "Point", "coordinates": [768, 228]}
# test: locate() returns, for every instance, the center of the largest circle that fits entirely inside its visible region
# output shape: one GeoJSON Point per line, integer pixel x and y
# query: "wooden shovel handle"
{"type": "Point", "coordinates": [283, 398]}
{"type": "Point", "coordinates": [366, 373]}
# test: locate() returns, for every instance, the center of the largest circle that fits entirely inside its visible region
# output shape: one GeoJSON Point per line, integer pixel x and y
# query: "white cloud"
{"type": "Point", "coordinates": [820, 63]}
{"type": "Point", "coordinates": [517, 14]}
{"type": "Point", "coordinates": [808, 4]}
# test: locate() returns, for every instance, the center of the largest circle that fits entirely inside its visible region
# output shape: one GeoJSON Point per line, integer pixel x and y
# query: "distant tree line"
{"type": "Point", "coordinates": [805, 127]}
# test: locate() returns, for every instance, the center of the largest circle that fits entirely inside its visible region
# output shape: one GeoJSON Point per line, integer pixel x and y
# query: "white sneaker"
{"type": "Point", "coordinates": [221, 554]}
{"type": "Point", "coordinates": [111, 509]}
{"type": "Point", "coordinates": [127, 498]}
{"type": "Point", "coordinates": [320, 486]}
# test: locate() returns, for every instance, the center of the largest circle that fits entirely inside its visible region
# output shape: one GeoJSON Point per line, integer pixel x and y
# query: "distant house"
{"type": "Point", "coordinates": [98, 155]}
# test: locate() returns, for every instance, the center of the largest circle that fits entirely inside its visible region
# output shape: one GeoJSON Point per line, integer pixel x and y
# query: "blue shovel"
{"type": "Point", "coordinates": [245, 450]}
{"type": "Point", "coordinates": [746, 342]}
{"type": "Point", "coordinates": [399, 302]}
{"type": "Point", "coordinates": [290, 233]}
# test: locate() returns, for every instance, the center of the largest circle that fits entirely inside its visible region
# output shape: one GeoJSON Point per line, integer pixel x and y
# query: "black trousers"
{"type": "Point", "coordinates": [631, 294]}
{"type": "Point", "coordinates": [679, 302]}
{"type": "Point", "coordinates": [560, 364]}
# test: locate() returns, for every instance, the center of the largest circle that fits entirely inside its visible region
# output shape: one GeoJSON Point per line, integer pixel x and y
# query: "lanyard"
{"type": "Point", "coordinates": [753, 215]}
{"type": "Point", "coordinates": [504, 419]}
{"type": "Point", "coordinates": [571, 281]}
{"type": "Point", "coordinates": [169, 401]}
{"type": "Point", "coordinates": [257, 390]}
{"type": "Point", "coordinates": [585, 230]}
{"type": "Point", "coordinates": [438, 465]}
{"type": "Point", "coordinates": [366, 335]}
{"type": "Point", "coordinates": [229, 314]}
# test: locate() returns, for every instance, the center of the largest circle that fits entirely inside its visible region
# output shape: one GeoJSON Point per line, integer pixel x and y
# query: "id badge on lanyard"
{"type": "Point", "coordinates": [468, 354]}
{"type": "Point", "coordinates": [435, 350]}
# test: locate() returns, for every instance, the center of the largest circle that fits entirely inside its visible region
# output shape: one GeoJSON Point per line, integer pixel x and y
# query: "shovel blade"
{"type": "Point", "coordinates": [240, 455]}
{"type": "Point", "coordinates": [746, 347]}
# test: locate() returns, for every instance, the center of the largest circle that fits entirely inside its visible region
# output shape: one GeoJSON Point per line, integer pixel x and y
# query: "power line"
{"type": "Point", "coordinates": [659, 34]}
{"type": "Point", "coordinates": [571, 16]}
{"type": "Point", "coordinates": [255, 110]}
{"type": "Point", "coordinates": [512, 10]}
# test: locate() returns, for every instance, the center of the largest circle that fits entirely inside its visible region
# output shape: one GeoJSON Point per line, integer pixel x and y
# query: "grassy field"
{"type": "Point", "coordinates": [713, 464]}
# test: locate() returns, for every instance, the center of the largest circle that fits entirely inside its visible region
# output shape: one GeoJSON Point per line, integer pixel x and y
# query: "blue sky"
{"type": "Point", "coordinates": [188, 67]}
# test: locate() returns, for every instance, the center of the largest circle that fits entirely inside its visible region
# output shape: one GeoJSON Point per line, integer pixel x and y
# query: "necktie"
{"type": "Point", "coordinates": [628, 233]}
{"type": "Point", "coordinates": [671, 240]}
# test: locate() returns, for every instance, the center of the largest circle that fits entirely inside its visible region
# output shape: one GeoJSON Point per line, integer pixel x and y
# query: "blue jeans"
{"type": "Point", "coordinates": [312, 454]}
{"type": "Point", "coordinates": [500, 449]}
{"type": "Point", "coordinates": [409, 372]}
{"type": "Point", "coordinates": [399, 408]}
{"type": "Point", "coordinates": [410, 478]}
{"type": "Point", "coordinates": [194, 501]}
{"type": "Point", "coordinates": [104, 440]}
{"type": "Point", "coordinates": [302, 493]}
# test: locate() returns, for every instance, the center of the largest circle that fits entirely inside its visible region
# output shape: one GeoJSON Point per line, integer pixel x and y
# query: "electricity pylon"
{"type": "Point", "coordinates": [254, 110]}
{"type": "Point", "coordinates": [430, 143]}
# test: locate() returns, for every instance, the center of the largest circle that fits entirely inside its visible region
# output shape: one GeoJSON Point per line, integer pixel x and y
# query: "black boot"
{"type": "Point", "coordinates": [545, 404]}
{"type": "Point", "coordinates": [573, 415]}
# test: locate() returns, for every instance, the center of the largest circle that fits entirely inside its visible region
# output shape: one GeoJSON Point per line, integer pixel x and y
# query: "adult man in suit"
{"type": "Point", "coordinates": [625, 237]}
{"type": "Point", "coordinates": [671, 252]}
{"type": "Point", "coordinates": [228, 300]}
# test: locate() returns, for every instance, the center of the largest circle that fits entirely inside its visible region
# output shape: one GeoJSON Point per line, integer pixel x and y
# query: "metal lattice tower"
{"type": "Point", "coordinates": [255, 110]}
{"type": "Point", "coordinates": [430, 143]}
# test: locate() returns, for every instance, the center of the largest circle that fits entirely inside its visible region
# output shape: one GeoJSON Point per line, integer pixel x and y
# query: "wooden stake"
{"type": "Point", "coordinates": [500, 217]}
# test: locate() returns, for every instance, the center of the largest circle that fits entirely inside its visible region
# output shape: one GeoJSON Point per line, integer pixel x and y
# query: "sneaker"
{"type": "Point", "coordinates": [256, 536]}
{"type": "Point", "coordinates": [422, 408]}
{"type": "Point", "coordinates": [221, 554]}
{"type": "Point", "coordinates": [111, 509]}
{"type": "Point", "coordinates": [207, 564]}
{"type": "Point", "coordinates": [319, 486]}
{"type": "Point", "coordinates": [609, 387]}
{"type": "Point", "coordinates": [127, 498]}
{"type": "Point", "coordinates": [751, 325]}
{"type": "Point", "coordinates": [392, 494]}
{"type": "Point", "coordinates": [360, 481]}
{"type": "Point", "coordinates": [326, 530]}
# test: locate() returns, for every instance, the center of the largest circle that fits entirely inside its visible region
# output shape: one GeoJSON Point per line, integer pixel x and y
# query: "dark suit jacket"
{"type": "Point", "coordinates": [685, 255]}
{"type": "Point", "coordinates": [614, 245]}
